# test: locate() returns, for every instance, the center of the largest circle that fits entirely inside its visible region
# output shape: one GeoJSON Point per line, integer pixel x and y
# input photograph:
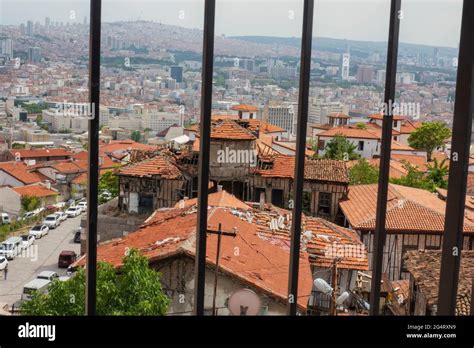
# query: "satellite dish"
{"type": "Point", "coordinates": [244, 302]}
{"type": "Point", "coordinates": [342, 298]}
{"type": "Point", "coordinates": [322, 286]}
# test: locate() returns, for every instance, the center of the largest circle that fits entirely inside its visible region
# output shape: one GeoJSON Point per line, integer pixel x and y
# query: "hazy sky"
{"type": "Point", "coordinates": [431, 22]}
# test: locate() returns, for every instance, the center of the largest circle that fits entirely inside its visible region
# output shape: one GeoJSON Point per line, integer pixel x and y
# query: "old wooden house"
{"type": "Point", "coordinates": [415, 221]}
{"type": "Point", "coordinates": [424, 269]}
{"type": "Point", "coordinates": [325, 184]}
{"type": "Point", "coordinates": [151, 184]}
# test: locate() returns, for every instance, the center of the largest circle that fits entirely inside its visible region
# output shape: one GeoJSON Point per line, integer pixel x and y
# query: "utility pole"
{"type": "Point", "coordinates": [219, 233]}
{"type": "Point", "coordinates": [334, 287]}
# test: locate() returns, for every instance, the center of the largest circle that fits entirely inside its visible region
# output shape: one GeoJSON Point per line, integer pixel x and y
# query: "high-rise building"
{"type": "Point", "coordinates": [30, 28]}
{"type": "Point", "coordinates": [282, 115]}
{"type": "Point", "coordinates": [320, 109]}
{"type": "Point", "coordinates": [346, 57]}
{"type": "Point", "coordinates": [34, 54]}
{"type": "Point", "coordinates": [365, 74]}
{"type": "Point", "coordinates": [177, 73]}
{"type": "Point", "coordinates": [6, 47]}
{"type": "Point", "coordinates": [47, 24]}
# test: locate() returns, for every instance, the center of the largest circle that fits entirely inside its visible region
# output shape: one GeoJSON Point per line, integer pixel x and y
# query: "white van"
{"type": "Point", "coordinates": [40, 285]}
{"type": "Point", "coordinates": [11, 247]}
{"type": "Point", "coordinates": [5, 219]}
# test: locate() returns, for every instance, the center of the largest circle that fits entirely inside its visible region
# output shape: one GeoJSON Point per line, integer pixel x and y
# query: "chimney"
{"type": "Point", "coordinates": [47, 184]}
{"type": "Point", "coordinates": [262, 200]}
{"type": "Point", "coordinates": [219, 188]}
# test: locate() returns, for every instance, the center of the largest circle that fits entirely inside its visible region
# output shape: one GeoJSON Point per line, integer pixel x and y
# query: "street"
{"type": "Point", "coordinates": [41, 256]}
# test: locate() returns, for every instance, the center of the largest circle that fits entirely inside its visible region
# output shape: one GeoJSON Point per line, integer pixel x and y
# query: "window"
{"type": "Point", "coordinates": [324, 203]}
{"type": "Point", "coordinates": [361, 145]}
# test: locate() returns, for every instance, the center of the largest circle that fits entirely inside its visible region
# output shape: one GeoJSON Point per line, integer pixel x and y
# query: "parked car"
{"type": "Point", "coordinates": [39, 231]}
{"type": "Point", "coordinates": [66, 258]}
{"type": "Point", "coordinates": [52, 221]}
{"type": "Point", "coordinates": [5, 219]}
{"type": "Point", "coordinates": [82, 205]}
{"type": "Point", "coordinates": [73, 211]}
{"type": "Point", "coordinates": [11, 247]}
{"type": "Point", "coordinates": [26, 216]}
{"type": "Point", "coordinates": [3, 263]}
{"type": "Point", "coordinates": [62, 216]}
{"type": "Point", "coordinates": [77, 235]}
{"type": "Point", "coordinates": [40, 285]}
{"type": "Point", "coordinates": [27, 241]}
{"type": "Point", "coordinates": [48, 275]}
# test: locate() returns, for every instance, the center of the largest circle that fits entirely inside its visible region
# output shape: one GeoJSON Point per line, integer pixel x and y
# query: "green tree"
{"type": "Point", "coordinates": [414, 178]}
{"type": "Point", "coordinates": [363, 173]}
{"type": "Point", "coordinates": [136, 136]}
{"type": "Point", "coordinates": [29, 203]}
{"type": "Point", "coordinates": [135, 290]}
{"type": "Point", "coordinates": [429, 136]}
{"type": "Point", "coordinates": [109, 181]}
{"type": "Point", "coordinates": [437, 173]}
{"type": "Point", "coordinates": [339, 148]}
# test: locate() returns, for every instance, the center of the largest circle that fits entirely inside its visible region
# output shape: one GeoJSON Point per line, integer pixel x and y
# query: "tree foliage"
{"type": "Point", "coordinates": [135, 290]}
{"type": "Point", "coordinates": [438, 172]}
{"type": "Point", "coordinates": [429, 136]}
{"type": "Point", "coordinates": [109, 181]}
{"type": "Point", "coordinates": [136, 136]}
{"type": "Point", "coordinates": [30, 203]}
{"type": "Point", "coordinates": [363, 173]}
{"type": "Point", "coordinates": [339, 148]}
{"type": "Point", "coordinates": [414, 178]}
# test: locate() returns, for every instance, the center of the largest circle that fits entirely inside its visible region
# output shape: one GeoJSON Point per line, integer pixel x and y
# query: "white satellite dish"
{"type": "Point", "coordinates": [244, 302]}
{"type": "Point", "coordinates": [323, 286]}
{"type": "Point", "coordinates": [342, 298]}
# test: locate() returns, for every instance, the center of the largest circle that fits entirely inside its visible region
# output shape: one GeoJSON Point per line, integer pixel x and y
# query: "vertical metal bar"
{"type": "Point", "coordinates": [472, 297]}
{"type": "Point", "coordinates": [458, 167]}
{"type": "Point", "coordinates": [93, 172]}
{"type": "Point", "coordinates": [219, 237]}
{"type": "Point", "coordinates": [205, 144]}
{"type": "Point", "coordinates": [306, 46]}
{"type": "Point", "coordinates": [389, 99]}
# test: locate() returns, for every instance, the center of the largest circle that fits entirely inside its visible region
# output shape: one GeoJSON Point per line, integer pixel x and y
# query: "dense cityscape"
{"type": "Point", "coordinates": [150, 93]}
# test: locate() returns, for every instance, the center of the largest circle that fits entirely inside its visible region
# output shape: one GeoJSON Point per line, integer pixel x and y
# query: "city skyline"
{"type": "Point", "coordinates": [232, 20]}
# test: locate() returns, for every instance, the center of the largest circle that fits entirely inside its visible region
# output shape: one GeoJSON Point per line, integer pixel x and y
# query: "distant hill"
{"type": "Point", "coordinates": [340, 45]}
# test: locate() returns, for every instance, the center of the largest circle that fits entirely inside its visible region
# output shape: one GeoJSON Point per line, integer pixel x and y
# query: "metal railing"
{"type": "Point", "coordinates": [458, 164]}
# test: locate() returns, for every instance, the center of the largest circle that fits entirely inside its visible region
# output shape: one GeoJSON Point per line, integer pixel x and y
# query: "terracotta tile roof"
{"type": "Point", "coordinates": [349, 133]}
{"type": "Point", "coordinates": [408, 209]}
{"type": "Point", "coordinates": [122, 146]}
{"type": "Point", "coordinates": [400, 146]}
{"type": "Point", "coordinates": [425, 265]}
{"type": "Point", "coordinates": [217, 199]}
{"type": "Point", "coordinates": [292, 146]}
{"type": "Point", "coordinates": [21, 172]}
{"type": "Point", "coordinates": [315, 169]}
{"type": "Point", "coordinates": [35, 190]}
{"type": "Point", "coordinates": [322, 240]}
{"type": "Point", "coordinates": [38, 153]}
{"type": "Point", "coordinates": [245, 108]}
{"type": "Point", "coordinates": [377, 130]}
{"type": "Point", "coordinates": [408, 126]}
{"type": "Point", "coordinates": [156, 166]}
{"type": "Point", "coordinates": [264, 127]}
{"type": "Point", "coordinates": [396, 168]}
{"type": "Point", "coordinates": [417, 161]}
{"type": "Point", "coordinates": [259, 264]}
{"type": "Point", "coordinates": [82, 178]}
{"type": "Point", "coordinates": [380, 117]}
{"type": "Point", "coordinates": [230, 130]}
